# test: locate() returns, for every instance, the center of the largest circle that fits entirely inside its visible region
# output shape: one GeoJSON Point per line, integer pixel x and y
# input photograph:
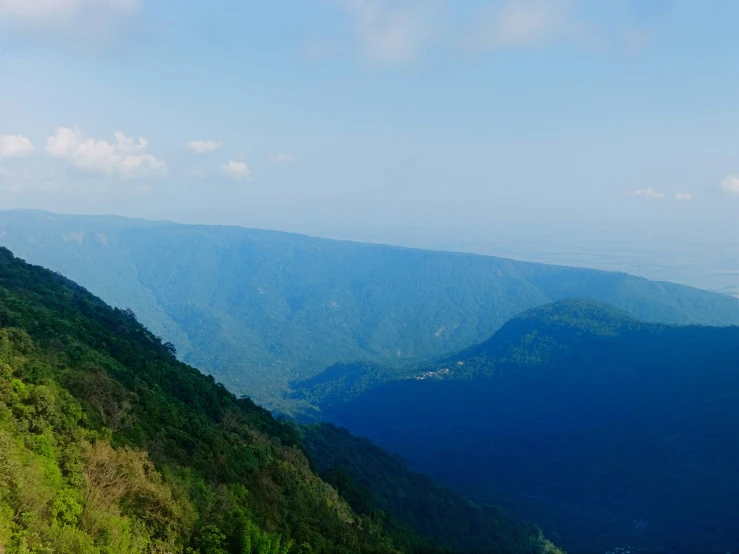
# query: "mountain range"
{"type": "Point", "coordinates": [600, 406]}
{"type": "Point", "coordinates": [109, 445]}
{"type": "Point", "coordinates": [265, 311]}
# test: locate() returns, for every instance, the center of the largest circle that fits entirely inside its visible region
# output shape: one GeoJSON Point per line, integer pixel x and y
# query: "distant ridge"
{"type": "Point", "coordinates": [265, 310]}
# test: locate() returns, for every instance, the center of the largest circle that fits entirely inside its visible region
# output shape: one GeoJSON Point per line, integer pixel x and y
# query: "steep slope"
{"type": "Point", "coordinates": [260, 309]}
{"type": "Point", "coordinates": [79, 379]}
{"type": "Point", "coordinates": [372, 479]}
{"type": "Point", "coordinates": [599, 427]}
{"type": "Point", "coordinates": [109, 445]}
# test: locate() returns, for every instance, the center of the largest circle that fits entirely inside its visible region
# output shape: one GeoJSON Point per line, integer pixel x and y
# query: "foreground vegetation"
{"type": "Point", "coordinates": [108, 444]}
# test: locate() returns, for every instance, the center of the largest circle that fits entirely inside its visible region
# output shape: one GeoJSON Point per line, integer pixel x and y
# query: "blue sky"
{"type": "Point", "coordinates": [348, 115]}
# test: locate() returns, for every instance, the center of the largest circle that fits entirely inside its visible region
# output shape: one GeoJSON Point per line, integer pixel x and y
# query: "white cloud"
{"type": "Point", "coordinates": [730, 184]}
{"type": "Point", "coordinates": [73, 21]}
{"type": "Point", "coordinates": [399, 31]}
{"type": "Point", "coordinates": [635, 40]}
{"type": "Point", "coordinates": [126, 157]}
{"type": "Point", "coordinates": [15, 146]}
{"type": "Point", "coordinates": [236, 170]}
{"type": "Point", "coordinates": [47, 9]}
{"type": "Point", "coordinates": [203, 146]}
{"type": "Point", "coordinates": [683, 196]}
{"type": "Point", "coordinates": [280, 158]}
{"type": "Point", "coordinates": [518, 23]}
{"type": "Point", "coordinates": [390, 31]}
{"type": "Point", "coordinates": [648, 193]}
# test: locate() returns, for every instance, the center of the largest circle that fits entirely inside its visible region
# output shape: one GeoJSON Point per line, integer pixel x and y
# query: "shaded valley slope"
{"type": "Point", "coordinates": [598, 426]}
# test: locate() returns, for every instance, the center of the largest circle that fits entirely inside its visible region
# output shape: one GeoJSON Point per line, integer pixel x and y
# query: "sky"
{"type": "Point", "coordinates": [380, 119]}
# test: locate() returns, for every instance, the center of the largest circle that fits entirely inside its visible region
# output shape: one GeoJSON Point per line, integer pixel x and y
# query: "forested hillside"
{"type": "Point", "coordinates": [109, 445]}
{"type": "Point", "coordinates": [371, 479]}
{"type": "Point", "coordinates": [603, 429]}
{"type": "Point", "coordinates": [260, 310]}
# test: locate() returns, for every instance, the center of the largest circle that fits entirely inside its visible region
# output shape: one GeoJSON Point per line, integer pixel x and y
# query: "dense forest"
{"type": "Point", "coordinates": [108, 444]}
{"type": "Point", "coordinates": [263, 311]}
{"type": "Point", "coordinates": [603, 429]}
{"type": "Point", "coordinates": [372, 479]}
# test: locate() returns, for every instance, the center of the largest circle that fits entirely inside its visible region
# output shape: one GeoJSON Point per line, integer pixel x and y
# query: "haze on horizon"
{"type": "Point", "coordinates": [600, 134]}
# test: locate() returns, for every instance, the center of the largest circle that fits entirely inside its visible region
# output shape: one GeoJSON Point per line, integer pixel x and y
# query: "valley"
{"type": "Point", "coordinates": [263, 311]}
{"type": "Point", "coordinates": [579, 417]}
{"type": "Point", "coordinates": [575, 399]}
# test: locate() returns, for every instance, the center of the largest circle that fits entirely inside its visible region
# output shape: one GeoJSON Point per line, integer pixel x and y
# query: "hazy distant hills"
{"type": "Point", "coordinates": [602, 428]}
{"type": "Point", "coordinates": [608, 419]}
{"type": "Point", "coordinates": [261, 309]}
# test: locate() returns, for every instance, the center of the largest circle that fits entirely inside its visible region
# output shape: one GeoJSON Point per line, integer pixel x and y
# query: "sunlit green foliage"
{"type": "Point", "coordinates": [109, 445]}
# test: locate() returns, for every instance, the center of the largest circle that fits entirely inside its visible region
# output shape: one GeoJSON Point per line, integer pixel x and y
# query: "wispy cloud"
{"type": "Point", "coordinates": [648, 193]}
{"type": "Point", "coordinates": [400, 31]}
{"type": "Point", "coordinates": [635, 39]}
{"type": "Point", "coordinates": [198, 173]}
{"type": "Point", "coordinates": [126, 157]}
{"type": "Point", "coordinates": [236, 170]}
{"type": "Point", "coordinates": [74, 21]}
{"type": "Point", "coordinates": [391, 32]}
{"type": "Point", "coordinates": [204, 146]}
{"type": "Point", "coordinates": [15, 146]}
{"type": "Point", "coordinates": [683, 196]}
{"type": "Point", "coordinates": [522, 23]}
{"type": "Point", "coordinates": [318, 50]}
{"type": "Point", "coordinates": [730, 184]}
{"type": "Point", "coordinates": [281, 158]}
{"type": "Point", "coordinates": [33, 177]}
{"type": "Point", "coordinates": [33, 9]}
